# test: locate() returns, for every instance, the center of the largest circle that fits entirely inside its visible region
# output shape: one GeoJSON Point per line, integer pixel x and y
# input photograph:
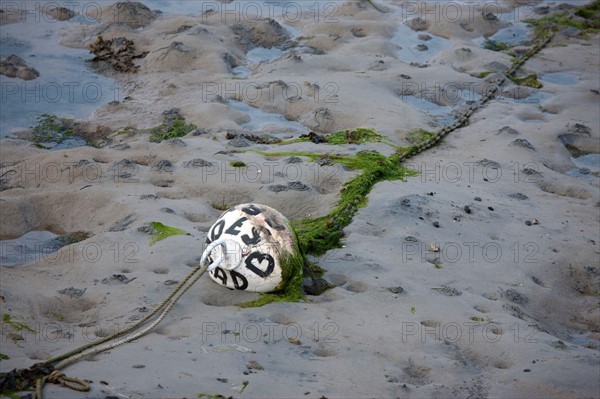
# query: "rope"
{"type": "Point", "coordinates": [64, 360]}
{"type": "Point", "coordinates": [57, 377]}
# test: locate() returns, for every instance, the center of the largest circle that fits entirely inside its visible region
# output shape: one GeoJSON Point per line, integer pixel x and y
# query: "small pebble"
{"type": "Point", "coordinates": [528, 222]}
{"type": "Point", "coordinates": [477, 199]}
{"type": "Point", "coordinates": [467, 209]}
{"type": "Point", "coordinates": [490, 208]}
{"type": "Point", "coordinates": [527, 371]}
{"type": "Point", "coordinates": [436, 224]}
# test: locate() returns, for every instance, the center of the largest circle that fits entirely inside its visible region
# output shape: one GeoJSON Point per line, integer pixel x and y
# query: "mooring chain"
{"type": "Point", "coordinates": [487, 96]}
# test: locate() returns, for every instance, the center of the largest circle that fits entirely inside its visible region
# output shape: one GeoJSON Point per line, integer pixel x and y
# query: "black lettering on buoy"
{"type": "Point", "coordinates": [260, 258]}
{"type": "Point", "coordinates": [239, 281]}
{"type": "Point", "coordinates": [221, 275]}
{"type": "Point", "coordinates": [233, 228]}
{"type": "Point", "coordinates": [218, 226]}
{"type": "Point", "coordinates": [255, 239]}
{"type": "Point", "coordinates": [252, 210]}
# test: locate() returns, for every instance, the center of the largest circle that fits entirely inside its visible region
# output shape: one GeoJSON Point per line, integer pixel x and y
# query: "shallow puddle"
{"type": "Point", "coordinates": [589, 162]}
{"type": "Point", "coordinates": [414, 49]}
{"type": "Point", "coordinates": [442, 115]}
{"type": "Point", "coordinates": [560, 78]}
{"type": "Point", "coordinates": [30, 247]}
{"type": "Point", "coordinates": [262, 54]}
{"type": "Point", "coordinates": [537, 96]}
{"type": "Point", "coordinates": [517, 33]}
{"type": "Point", "coordinates": [67, 85]}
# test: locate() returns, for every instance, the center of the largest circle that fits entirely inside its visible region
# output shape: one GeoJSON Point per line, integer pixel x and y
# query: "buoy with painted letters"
{"type": "Point", "coordinates": [248, 248]}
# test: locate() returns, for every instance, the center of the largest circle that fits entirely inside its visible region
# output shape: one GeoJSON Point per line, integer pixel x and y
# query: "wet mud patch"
{"type": "Point", "coordinates": [36, 245]}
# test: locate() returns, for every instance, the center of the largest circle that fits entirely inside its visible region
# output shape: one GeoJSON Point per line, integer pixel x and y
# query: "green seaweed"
{"type": "Point", "coordinates": [293, 267]}
{"type": "Point", "coordinates": [210, 396]}
{"type": "Point", "coordinates": [4, 357]}
{"type": "Point", "coordinates": [238, 164]}
{"type": "Point", "coordinates": [358, 135]}
{"type": "Point", "coordinates": [17, 325]}
{"type": "Point", "coordinates": [160, 232]}
{"type": "Point", "coordinates": [170, 130]}
{"type": "Point", "coordinates": [483, 74]}
{"type": "Point", "coordinates": [530, 80]}
{"type": "Point", "coordinates": [418, 136]}
{"type": "Point", "coordinates": [125, 130]}
{"type": "Point", "coordinates": [12, 394]}
{"type": "Point", "coordinates": [495, 45]}
{"type": "Point", "coordinates": [590, 12]}
{"type": "Point", "coordinates": [223, 206]}
{"type": "Point", "coordinates": [354, 136]}
{"type": "Point", "coordinates": [51, 128]}
{"type": "Point", "coordinates": [317, 236]}
{"type": "Point", "coordinates": [588, 21]}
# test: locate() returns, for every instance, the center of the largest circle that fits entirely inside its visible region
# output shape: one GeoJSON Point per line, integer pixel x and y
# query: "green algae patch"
{"type": "Point", "coordinates": [483, 74]}
{"type": "Point", "coordinates": [590, 12]}
{"type": "Point", "coordinates": [354, 136]}
{"type": "Point", "coordinates": [418, 136]}
{"type": "Point", "coordinates": [358, 135]}
{"type": "Point", "coordinates": [238, 164]}
{"type": "Point", "coordinates": [16, 325]}
{"type": "Point", "coordinates": [585, 18]}
{"type": "Point", "coordinates": [317, 236]}
{"type": "Point", "coordinates": [496, 46]}
{"type": "Point", "coordinates": [293, 267]}
{"type": "Point", "coordinates": [160, 232]}
{"type": "Point", "coordinates": [529, 80]}
{"type": "Point", "coordinates": [51, 128]}
{"type": "Point", "coordinates": [171, 129]}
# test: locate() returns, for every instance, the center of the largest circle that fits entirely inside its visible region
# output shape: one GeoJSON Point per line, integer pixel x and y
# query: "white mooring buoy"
{"type": "Point", "coordinates": [248, 248]}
